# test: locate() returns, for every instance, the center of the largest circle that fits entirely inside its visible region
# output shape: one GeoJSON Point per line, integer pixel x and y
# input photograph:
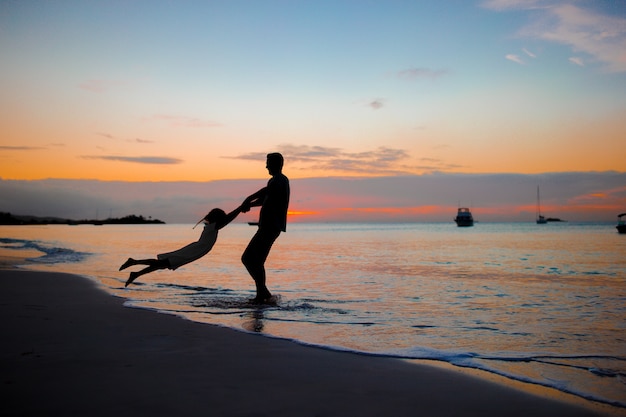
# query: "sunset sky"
{"type": "Point", "coordinates": [200, 91]}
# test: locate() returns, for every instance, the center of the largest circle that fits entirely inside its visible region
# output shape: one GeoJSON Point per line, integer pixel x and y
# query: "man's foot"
{"type": "Point", "coordinates": [269, 300]}
{"type": "Point", "coordinates": [133, 276]}
{"type": "Point", "coordinates": [129, 262]}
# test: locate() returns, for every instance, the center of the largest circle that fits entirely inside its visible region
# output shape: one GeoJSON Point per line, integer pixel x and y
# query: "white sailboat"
{"type": "Point", "coordinates": [540, 219]}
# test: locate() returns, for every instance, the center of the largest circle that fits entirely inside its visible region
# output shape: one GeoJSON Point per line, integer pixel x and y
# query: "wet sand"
{"type": "Point", "coordinates": [69, 348]}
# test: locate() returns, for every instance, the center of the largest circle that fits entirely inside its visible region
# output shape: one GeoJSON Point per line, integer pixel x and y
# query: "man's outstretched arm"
{"type": "Point", "coordinates": [255, 200]}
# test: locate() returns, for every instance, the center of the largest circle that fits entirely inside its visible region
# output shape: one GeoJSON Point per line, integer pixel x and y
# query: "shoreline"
{"type": "Point", "coordinates": [72, 347]}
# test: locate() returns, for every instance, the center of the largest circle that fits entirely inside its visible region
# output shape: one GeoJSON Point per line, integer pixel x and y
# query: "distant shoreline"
{"type": "Point", "coordinates": [8, 219]}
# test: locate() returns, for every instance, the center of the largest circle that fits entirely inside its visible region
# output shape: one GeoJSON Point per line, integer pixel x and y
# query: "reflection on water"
{"type": "Point", "coordinates": [253, 321]}
{"type": "Point", "coordinates": [545, 304]}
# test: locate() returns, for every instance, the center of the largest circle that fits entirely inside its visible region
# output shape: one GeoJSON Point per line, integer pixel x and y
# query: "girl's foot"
{"type": "Point", "coordinates": [129, 262]}
{"type": "Point", "coordinates": [133, 276]}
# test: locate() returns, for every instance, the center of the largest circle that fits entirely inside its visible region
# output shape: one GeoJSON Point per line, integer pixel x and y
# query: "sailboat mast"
{"type": "Point", "coordinates": [540, 219]}
{"type": "Point", "coordinates": [538, 210]}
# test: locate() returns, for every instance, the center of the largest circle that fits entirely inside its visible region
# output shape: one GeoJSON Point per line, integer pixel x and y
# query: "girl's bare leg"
{"type": "Point", "coordinates": [153, 265]}
{"type": "Point", "coordinates": [134, 275]}
{"type": "Point", "coordinates": [129, 262]}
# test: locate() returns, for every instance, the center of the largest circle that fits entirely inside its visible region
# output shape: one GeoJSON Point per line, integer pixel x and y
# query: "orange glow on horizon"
{"type": "Point", "coordinates": [364, 214]}
{"type": "Point", "coordinates": [433, 213]}
{"type": "Point", "coordinates": [301, 213]}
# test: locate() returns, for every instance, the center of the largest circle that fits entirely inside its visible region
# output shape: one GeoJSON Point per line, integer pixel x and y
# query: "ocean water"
{"type": "Point", "coordinates": [543, 304]}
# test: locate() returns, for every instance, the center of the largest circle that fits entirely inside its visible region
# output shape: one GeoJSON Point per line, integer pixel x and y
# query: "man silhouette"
{"type": "Point", "coordinates": [274, 201]}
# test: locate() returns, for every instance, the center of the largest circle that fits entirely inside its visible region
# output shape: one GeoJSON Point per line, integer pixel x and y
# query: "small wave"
{"type": "Point", "coordinates": [224, 303]}
{"type": "Point", "coordinates": [51, 254]}
{"type": "Point", "coordinates": [489, 363]}
{"type": "Point", "coordinates": [335, 301]}
{"type": "Point", "coordinates": [607, 373]}
{"type": "Point", "coordinates": [193, 289]}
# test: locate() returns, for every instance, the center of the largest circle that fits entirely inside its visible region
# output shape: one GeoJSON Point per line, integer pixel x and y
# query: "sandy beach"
{"type": "Point", "coordinates": [69, 348]}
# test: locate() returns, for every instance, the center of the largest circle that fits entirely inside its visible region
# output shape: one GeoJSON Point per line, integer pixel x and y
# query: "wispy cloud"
{"type": "Point", "coordinates": [112, 137]}
{"type": "Point", "coordinates": [518, 59]}
{"type": "Point", "coordinates": [515, 58]}
{"type": "Point", "coordinates": [415, 73]}
{"type": "Point", "coordinates": [152, 160]}
{"type": "Point", "coordinates": [182, 121]}
{"type": "Point", "coordinates": [306, 153]}
{"type": "Point", "coordinates": [599, 195]}
{"type": "Point", "coordinates": [105, 135]}
{"type": "Point", "coordinates": [502, 5]}
{"type": "Point", "coordinates": [435, 165]}
{"type": "Point", "coordinates": [20, 148]}
{"type": "Point", "coordinates": [577, 61]}
{"type": "Point", "coordinates": [602, 37]}
{"type": "Point", "coordinates": [380, 161]}
{"type": "Point", "coordinates": [377, 103]}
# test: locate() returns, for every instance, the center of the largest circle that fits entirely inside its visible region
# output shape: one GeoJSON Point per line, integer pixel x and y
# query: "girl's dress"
{"type": "Point", "coordinates": [194, 250]}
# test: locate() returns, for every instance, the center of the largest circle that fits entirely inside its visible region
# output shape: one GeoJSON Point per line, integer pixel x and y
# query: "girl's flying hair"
{"type": "Point", "coordinates": [216, 215]}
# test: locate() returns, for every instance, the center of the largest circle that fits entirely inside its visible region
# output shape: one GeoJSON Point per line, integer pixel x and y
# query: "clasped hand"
{"type": "Point", "coordinates": [245, 206]}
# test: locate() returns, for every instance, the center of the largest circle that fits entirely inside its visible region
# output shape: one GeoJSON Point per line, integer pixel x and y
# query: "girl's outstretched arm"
{"type": "Point", "coordinates": [229, 217]}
